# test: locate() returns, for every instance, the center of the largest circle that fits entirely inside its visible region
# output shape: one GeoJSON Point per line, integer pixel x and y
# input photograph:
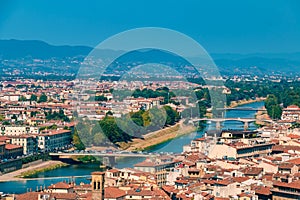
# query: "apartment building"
{"type": "Point", "coordinates": [159, 167]}
{"type": "Point", "coordinates": [26, 141]}
{"type": "Point", "coordinates": [240, 150]}
{"type": "Point", "coordinates": [292, 112]}
{"type": "Point", "coordinates": [50, 140]}
{"type": "Point", "coordinates": [18, 130]}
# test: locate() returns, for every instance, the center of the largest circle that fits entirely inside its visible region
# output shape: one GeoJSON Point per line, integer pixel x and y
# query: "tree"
{"type": "Point", "coordinates": [109, 113]}
{"type": "Point", "coordinates": [22, 98]}
{"type": "Point", "coordinates": [273, 108]}
{"type": "Point", "coordinates": [99, 139]}
{"type": "Point", "coordinates": [6, 123]}
{"type": "Point", "coordinates": [14, 117]}
{"type": "Point", "coordinates": [43, 98]}
{"type": "Point", "coordinates": [112, 130]}
{"type": "Point", "coordinates": [33, 114]}
{"type": "Point", "coordinates": [33, 97]}
{"type": "Point", "coordinates": [77, 142]}
{"type": "Point", "coordinates": [275, 112]}
{"type": "Point", "coordinates": [100, 98]}
{"type": "Point", "coordinates": [172, 115]}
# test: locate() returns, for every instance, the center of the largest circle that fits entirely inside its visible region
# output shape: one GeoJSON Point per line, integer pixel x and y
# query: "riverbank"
{"type": "Point", "coordinates": [260, 116]}
{"type": "Point", "coordinates": [234, 104]}
{"type": "Point", "coordinates": [155, 138]}
{"type": "Point", "coordinates": [31, 170]}
{"type": "Point", "coordinates": [158, 137]}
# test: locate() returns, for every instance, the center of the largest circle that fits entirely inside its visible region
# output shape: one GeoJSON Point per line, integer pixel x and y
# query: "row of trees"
{"type": "Point", "coordinates": [33, 97]}
{"type": "Point", "coordinates": [279, 94]}
{"type": "Point", "coordinates": [60, 115]}
{"type": "Point", "coordinates": [160, 92]}
{"type": "Point", "coordinates": [273, 108]}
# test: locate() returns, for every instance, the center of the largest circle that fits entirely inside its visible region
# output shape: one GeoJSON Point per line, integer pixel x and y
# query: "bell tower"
{"type": "Point", "coordinates": [98, 185]}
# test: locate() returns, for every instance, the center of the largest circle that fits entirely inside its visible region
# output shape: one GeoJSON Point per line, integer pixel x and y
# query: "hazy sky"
{"type": "Point", "coordinates": [219, 26]}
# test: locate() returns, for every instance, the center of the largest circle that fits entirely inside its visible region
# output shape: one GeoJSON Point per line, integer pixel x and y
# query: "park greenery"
{"type": "Point", "coordinates": [57, 115]}
{"type": "Point", "coordinates": [278, 96]}
{"type": "Point", "coordinates": [107, 131]}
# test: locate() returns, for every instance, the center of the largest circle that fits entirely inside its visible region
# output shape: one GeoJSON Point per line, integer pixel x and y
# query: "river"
{"type": "Point", "coordinates": [174, 145]}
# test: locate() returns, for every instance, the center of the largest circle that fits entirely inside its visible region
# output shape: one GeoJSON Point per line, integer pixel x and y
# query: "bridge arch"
{"type": "Point", "coordinates": [246, 121]}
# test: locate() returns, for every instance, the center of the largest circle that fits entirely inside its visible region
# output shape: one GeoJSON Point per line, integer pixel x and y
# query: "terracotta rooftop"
{"type": "Point", "coordinates": [113, 170]}
{"type": "Point", "coordinates": [35, 196]}
{"type": "Point", "coordinates": [252, 171]}
{"type": "Point", "coordinates": [240, 179]}
{"type": "Point", "coordinates": [286, 166]}
{"type": "Point", "coordinates": [12, 146]}
{"type": "Point", "coordinates": [98, 173]}
{"type": "Point", "coordinates": [224, 182]}
{"type": "Point", "coordinates": [60, 185]}
{"type": "Point", "coordinates": [294, 185]}
{"type": "Point", "coordinates": [145, 164]}
{"type": "Point", "coordinates": [262, 190]}
{"type": "Point", "coordinates": [113, 193]}
{"type": "Point", "coordinates": [285, 148]}
{"type": "Point", "coordinates": [295, 161]}
{"type": "Point", "coordinates": [139, 192]}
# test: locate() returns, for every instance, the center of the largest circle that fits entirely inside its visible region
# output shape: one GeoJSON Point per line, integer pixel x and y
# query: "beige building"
{"type": "Point", "coordinates": [239, 150]}
{"type": "Point", "coordinates": [226, 188]}
{"type": "Point", "coordinates": [292, 112]}
{"type": "Point", "coordinates": [287, 168]}
{"type": "Point", "coordinates": [18, 130]}
{"type": "Point", "coordinates": [27, 142]}
{"type": "Point", "coordinates": [286, 191]}
{"type": "Point", "coordinates": [268, 167]}
{"type": "Point", "coordinates": [159, 168]}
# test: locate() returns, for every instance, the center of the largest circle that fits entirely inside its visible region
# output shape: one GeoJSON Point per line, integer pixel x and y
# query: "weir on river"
{"type": "Point", "coordinates": [79, 173]}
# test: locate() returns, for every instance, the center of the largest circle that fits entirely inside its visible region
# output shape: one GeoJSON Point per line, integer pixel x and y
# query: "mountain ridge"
{"type": "Point", "coordinates": [228, 63]}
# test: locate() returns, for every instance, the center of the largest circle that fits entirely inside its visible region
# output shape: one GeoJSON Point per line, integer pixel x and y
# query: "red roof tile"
{"type": "Point", "coordinates": [113, 193]}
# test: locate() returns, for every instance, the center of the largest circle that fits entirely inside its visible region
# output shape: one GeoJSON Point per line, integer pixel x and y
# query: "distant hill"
{"type": "Point", "coordinates": [229, 64]}
{"type": "Point", "coordinates": [258, 66]}
{"type": "Point", "coordinates": [11, 49]}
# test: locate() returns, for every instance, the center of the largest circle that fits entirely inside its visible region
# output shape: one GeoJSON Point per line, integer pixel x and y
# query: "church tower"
{"type": "Point", "coordinates": [98, 185]}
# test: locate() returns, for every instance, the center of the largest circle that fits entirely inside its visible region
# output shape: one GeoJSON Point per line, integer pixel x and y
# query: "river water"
{"type": "Point", "coordinates": [174, 145]}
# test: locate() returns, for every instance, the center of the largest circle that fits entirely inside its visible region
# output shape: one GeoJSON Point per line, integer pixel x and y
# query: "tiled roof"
{"type": "Point", "coordinates": [145, 164]}
{"type": "Point", "coordinates": [240, 179]}
{"type": "Point", "coordinates": [60, 185]}
{"type": "Point", "coordinates": [295, 161]}
{"type": "Point", "coordinates": [252, 171]}
{"type": "Point", "coordinates": [139, 192]}
{"type": "Point", "coordinates": [113, 193]}
{"type": "Point", "coordinates": [12, 146]}
{"type": "Point", "coordinates": [224, 182]}
{"type": "Point", "coordinates": [35, 196]}
{"type": "Point", "coordinates": [286, 165]}
{"type": "Point", "coordinates": [262, 190]}
{"type": "Point", "coordinates": [293, 185]}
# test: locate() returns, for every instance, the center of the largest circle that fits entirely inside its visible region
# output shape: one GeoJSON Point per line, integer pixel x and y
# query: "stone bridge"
{"type": "Point", "coordinates": [218, 121]}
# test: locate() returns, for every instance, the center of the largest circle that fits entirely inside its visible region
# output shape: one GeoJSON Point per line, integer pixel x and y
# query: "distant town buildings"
{"type": "Point", "coordinates": [291, 113]}
{"type": "Point", "coordinates": [38, 117]}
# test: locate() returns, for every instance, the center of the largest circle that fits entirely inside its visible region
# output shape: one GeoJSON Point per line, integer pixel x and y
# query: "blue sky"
{"type": "Point", "coordinates": [231, 26]}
